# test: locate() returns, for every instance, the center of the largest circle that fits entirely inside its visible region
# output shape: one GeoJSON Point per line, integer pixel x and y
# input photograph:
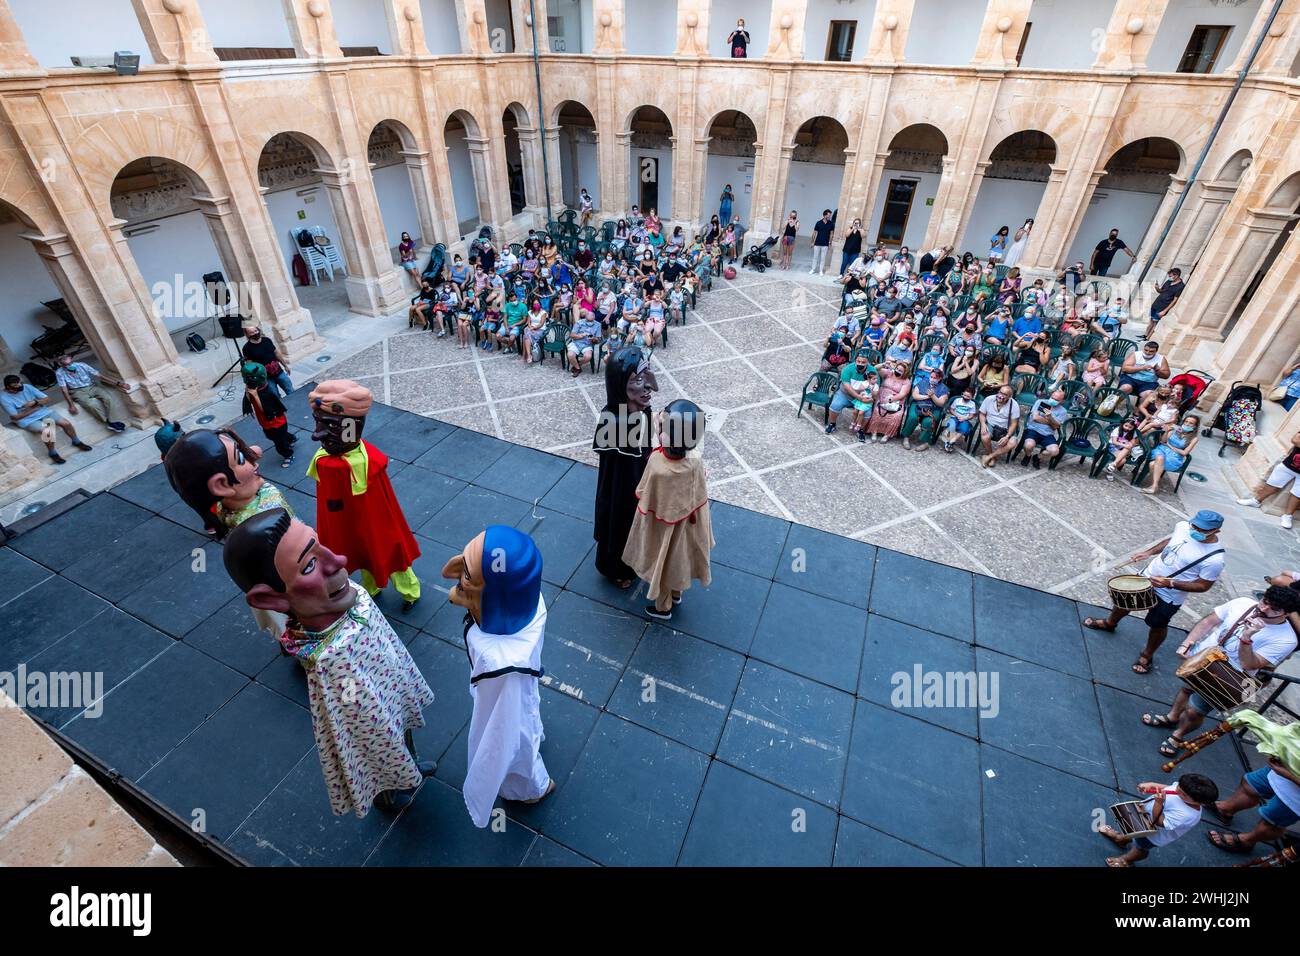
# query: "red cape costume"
{"type": "Point", "coordinates": [369, 528]}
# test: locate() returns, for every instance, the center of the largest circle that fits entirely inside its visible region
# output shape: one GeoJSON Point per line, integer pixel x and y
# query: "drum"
{"type": "Point", "coordinates": [1211, 675]}
{"type": "Point", "coordinates": [1132, 592]}
{"type": "Point", "coordinates": [1133, 818]}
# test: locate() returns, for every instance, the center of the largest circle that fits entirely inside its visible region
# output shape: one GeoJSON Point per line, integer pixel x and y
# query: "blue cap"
{"type": "Point", "coordinates": [1207, 520]}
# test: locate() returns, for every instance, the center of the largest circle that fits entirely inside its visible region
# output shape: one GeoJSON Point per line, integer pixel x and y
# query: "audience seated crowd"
{"type": "Point", "coordinates": [956, 350]}
{"type": "Point", "coordinates": [580, 290]}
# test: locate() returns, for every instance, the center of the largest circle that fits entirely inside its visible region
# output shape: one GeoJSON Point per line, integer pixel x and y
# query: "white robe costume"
{"type": "Point", "coordinates": [505, 733]}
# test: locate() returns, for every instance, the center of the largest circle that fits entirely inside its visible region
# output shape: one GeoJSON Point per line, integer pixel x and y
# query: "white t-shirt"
{"type": "Point", "coordinates": [1273, 642]}
{"type": "Point", "coordinates": [1000, 417]}
{"type": "Point", "coordinates": [1180, 552]}
{"type": "Point", "coordinates": [1285, 789]}
{"type": "Point", "coordinates": [1178, 818]}
{"type": "Point", "coordinates": [882, 269]}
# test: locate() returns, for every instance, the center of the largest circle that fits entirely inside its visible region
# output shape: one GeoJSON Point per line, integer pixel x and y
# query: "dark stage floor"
{"type": "Point", "coordinates": [769, 737]}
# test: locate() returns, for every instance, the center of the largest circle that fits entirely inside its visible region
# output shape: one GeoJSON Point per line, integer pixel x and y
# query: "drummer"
{"type": "Point", "coordinates": [1254, 635]}
{"type": "Point", "coordinates": [1189, 561]}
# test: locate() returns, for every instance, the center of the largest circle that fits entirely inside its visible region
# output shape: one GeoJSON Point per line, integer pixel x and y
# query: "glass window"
{"type": "Point", "coordinates": [1203, 49]}
{"type": "Point", "coordinates": [839, 45]}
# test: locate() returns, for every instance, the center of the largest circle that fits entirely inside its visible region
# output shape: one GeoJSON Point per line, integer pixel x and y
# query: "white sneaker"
{"type": "Point", "coordinates": [1248, 502]}
{"type": "Point", "coordinates": [1286, 521]}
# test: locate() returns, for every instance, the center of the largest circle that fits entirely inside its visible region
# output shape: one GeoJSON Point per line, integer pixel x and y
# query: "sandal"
{"type": "Point", "coordinates": [1142, 665]}
{"type": "Point", "coordinates": [1099, 624]}
{"type": "Point", "coordinates": [1170, 747]}
{"type": "Point", "coordinates": [1117, 862]}
{"type": "Point", "coordinates": [1159, 720]}
{"type": "Point", "coordinates": [1224, 818]}
{"type": "Point", "coordinates": [1230, 842]}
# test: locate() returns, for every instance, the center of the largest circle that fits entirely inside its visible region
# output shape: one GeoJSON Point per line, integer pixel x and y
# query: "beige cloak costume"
{"type": "Point", "coordinates": [671, 535]}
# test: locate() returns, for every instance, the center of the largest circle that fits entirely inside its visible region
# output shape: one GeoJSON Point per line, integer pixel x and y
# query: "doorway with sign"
{"type": "Point", "coordinates": [648, 167]}
{"type": "Point", "coordinates": [650, 161]}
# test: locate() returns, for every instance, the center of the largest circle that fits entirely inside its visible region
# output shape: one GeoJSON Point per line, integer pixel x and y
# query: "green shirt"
{"type": "Point", "coordinates": [516, 313]}
{"type": "Point", "coordinates": [850, 373]}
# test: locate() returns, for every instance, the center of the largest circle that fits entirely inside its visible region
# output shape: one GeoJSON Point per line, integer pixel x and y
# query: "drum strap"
{"type": "Point", "coordinates": [1204, 557]}
{"type": "Point", "coordinates": [1236, 625]}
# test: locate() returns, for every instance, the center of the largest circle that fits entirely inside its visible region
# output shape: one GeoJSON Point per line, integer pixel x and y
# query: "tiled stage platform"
{"type": "Point", "coordinates": [756, 730]}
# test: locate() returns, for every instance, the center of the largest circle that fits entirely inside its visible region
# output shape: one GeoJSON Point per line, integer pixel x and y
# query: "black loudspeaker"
{"type": "Point", "coordinates": [218, 291]}
{"type": "Point", "coordinates": [232, 326]}
{"type": "Point", "coordinates": [195, 342]}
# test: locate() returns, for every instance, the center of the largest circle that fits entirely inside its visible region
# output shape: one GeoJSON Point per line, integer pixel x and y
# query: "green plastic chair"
{"type": "Point", "coordinates": [555, 341]}
{"type": "Point", "coordinates": [1081, 436]}
{"type": "Point", "coordinates": [1123, 409]}
{"type": "Point", "coordinates": [1119, 350]}
{"type": "Point", "coordinates": [818, 392]}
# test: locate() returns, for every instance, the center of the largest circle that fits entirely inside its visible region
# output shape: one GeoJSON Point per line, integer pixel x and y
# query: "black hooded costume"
{"type": "Point", "coordinates": [623, 441]}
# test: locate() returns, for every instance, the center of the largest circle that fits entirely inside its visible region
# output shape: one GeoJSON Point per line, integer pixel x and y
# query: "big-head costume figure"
{"type": "Point", "coordinates": [216, 474]}
{"type": "Point", "coordinates": [672, 534]}
{"type": "Point", "coordinates": [623, 442]}
{"type": "Point", "coordinates": [357, 513]}
{"type": "Point", "coordinates": [366, 693]}
{"type": "Point", "coordinates": [499, 582]}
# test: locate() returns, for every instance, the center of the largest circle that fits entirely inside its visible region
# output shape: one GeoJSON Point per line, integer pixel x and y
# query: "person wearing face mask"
{"type": "Point", "coordinates": [1189, 561]}
{"type": "Point", "coordinates": [1253, 634]}
{"type": "Point", "coordinates": [999, 424]}
{"type": "Point", "coordinates": [1172, 453]}
{"type": "Point", "coordinates": [962, 372]}
{"type": "Point", "coordinates": [929, 396]}
{"type": "Point", "coordinates": [852, 245]}
{"type": "Point", "coordinates": [1043, 429]}
{"type": "Point", "coordinates": [262, 350]}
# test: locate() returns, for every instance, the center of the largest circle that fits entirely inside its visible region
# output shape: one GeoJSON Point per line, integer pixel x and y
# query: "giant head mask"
{"type": "Point", "coordinates": [498, 579]}
{"type": "Point", "coordinates": [207, 467]}
{"type": "Point", "coordinates": [340, 407]}
{"type": "Point", "coordinates": [280, 565]}
{"type": "Point", "coordinates": [629, 381]}
{"type": "Point", "coordinates": [681, 427]}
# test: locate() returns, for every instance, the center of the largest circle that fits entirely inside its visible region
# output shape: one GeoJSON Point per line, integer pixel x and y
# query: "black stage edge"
{"type": "Point", "coordinates": [772, 737]}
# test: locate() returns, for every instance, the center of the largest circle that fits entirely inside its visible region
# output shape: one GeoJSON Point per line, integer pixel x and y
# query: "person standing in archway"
{"type": "Point", "coordinates": [1018, 243]}
{"type": "Point", "coordinates": [1105, 252]}
{"type": "Point", "coordinates": [739, 41]}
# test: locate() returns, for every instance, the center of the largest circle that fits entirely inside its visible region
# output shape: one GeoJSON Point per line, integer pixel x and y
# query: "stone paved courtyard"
{"type": "Point", "coordinates": [744, 356]}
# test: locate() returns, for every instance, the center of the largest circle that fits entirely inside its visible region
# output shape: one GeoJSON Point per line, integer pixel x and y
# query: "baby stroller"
{"type": "Point", "coordinates": [1237, 416]}
{"type": "Point", "coordinates": [757, 257]}
{"type": "Point", "coordinates": [1194, 383]}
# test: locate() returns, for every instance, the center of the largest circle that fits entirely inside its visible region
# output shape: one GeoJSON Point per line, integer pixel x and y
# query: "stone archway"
{"type": "Point", "coordinates": [1012, 183]}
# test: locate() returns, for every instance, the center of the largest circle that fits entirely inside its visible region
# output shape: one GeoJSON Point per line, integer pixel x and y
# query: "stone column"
{"type": "Point", "coordinates": [311, 27]}
{"type": "Point", "coordinates": [968, 164]}
{"type": "Point", "coordinates": [692, 28]}
{"type": "Point", "coordinates": [1264, 343]}
{"type": "Point", "coordinates": [124, 333]}
{"type": "Point", "coordinates": [530, 157]}
{"type": "Point", "coordinates": [405, 27]}
{"type": "Point", "coordinates": [771, 156]}
{"type": "Point", "coordinates": [1129, 35]}
{"type": "Point", "coordinates": [1054, 229]}
{"type": "Point", "coordinates": [250, 250]}
{"type": "Point", "coordinates": [373, 284]}
{"type": "Point", "coordinates": [933, 236]}
{"type": "Point", "coordinates": [782, 173]}
{"type": "Point", "coordinates": [1281, 44]}
{"type": "Point", "coordinates": [519, 16]}
{"type": "Point", "coordinates": [694, 210]}
{"type": "Point", "coordinates": [844, 201]}
{"type": "Point", "coordinates": [15, 57]}
{"type": "Point", "coordinates": [785, 41]}
{"type": "Point", "coordinates": [870, 153]}
{"type": "Point", "coordinates": [608, 33]}
{"type": "Point", "coordinates": [622, 165]}
{"type": "Point", "coordinates": [1198, 219]}
{"type": "Point", "coordinates": [552, 141]}
{"type": "Point", "coordinates": [471, 19]}
{"type": "Point", "coordinates": [419, 169]}
{"type": "Point", "coordinates": [263, 289]}
{"type": "Point", "coordinates": [888, 37]}
{"type": "Point", "coordinates": [1254, 240]}
{"type": "Point", "coordinates": [1001, 33]}
{"type": "Point", "coordinates": [175, 31]}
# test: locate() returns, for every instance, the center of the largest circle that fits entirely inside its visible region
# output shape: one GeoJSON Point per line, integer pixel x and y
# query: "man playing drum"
{"type": "Point", "coordinates": [1253, 635]}
{"type": "Point", "coordinates": [1189, 561]}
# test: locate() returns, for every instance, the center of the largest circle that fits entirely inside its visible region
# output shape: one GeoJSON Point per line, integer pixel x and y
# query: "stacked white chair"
{"type": "Point", "coordinates": [313, 256]}
{"type": "Point", "coordinates": [330, 250]}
